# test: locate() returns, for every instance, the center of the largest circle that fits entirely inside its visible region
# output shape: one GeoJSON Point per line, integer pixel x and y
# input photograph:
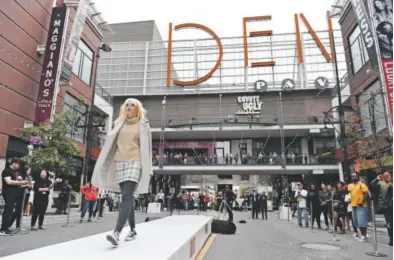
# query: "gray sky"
{"type": "Point", "coordinates": [223, 17]}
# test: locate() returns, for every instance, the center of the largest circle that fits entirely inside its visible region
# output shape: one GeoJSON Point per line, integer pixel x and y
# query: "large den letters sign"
{"type": "Point", "coordinates": [268, 63]}
{"type": "Point", "coordinates": [50, 69]}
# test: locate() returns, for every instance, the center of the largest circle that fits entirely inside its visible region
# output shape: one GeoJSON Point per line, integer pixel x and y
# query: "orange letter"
{"type": "Point", "coordinates": [169, 54]}
{"type": "Point", "coordinates": [317, 40]}
{"type": "Point", "coordinates": [298, 38]}
{"type": "Point", "coordinates": [218, 62]}
{"type": "Point", "coordinates": [254, 34]}
{"type": "Point", "coordinates": [331, 35]}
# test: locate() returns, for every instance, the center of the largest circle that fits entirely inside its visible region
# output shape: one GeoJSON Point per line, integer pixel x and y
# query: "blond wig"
{"type": "Point", "coordinates": [140, 109]}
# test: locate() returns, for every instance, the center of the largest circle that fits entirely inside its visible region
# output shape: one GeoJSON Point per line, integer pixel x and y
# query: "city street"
{"type": "Point", "coordinates": [280, 239]}
{"type": "Point", "coordinates": [257, 239]}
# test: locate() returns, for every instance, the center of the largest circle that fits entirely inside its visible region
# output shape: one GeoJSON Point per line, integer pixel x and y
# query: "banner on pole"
{"type": "Point", "coordinates": [382, 14]}
{"type": "Point", "coordinates": [73, 41]}
{"type": "Point", "coordinates": [51, 66]}
{"type": "Point", "coordinates": [366, 29]}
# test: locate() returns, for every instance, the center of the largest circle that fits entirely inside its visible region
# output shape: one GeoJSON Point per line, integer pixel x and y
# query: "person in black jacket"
{"type": "Point", "coordinates": [338, 201]}
{"type": "Point", "coordinates": [255, 199]}
{"type": "Point", "coordinates": [42, 187]}
{"type": "Point", "coordinates": [313, 203]}
{"type": "Point", "coordinates": [11, 192]}
{"type": "Point", "coordinates": [263, 206]}
{"type": "Point", "coordinates": [229, 197]}
{"type": "Point", "coordinates": [22, 198]}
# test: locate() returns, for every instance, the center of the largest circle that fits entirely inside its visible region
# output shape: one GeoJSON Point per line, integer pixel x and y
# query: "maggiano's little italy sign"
{"type": "Point", "coordinates": [249, 105]}
{"type": "Point", "coordinates": [51, 65]}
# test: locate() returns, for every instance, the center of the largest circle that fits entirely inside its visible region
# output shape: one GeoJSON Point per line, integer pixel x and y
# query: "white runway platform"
{"type": "Point", "coordinates": [170, 238]}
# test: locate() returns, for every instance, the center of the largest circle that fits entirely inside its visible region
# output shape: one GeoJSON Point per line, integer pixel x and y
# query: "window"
{"type": "Point", "coordinates": [372, 110]}
{"type": "Point", "coordinates": [358, 51]}
{"type": "Point", "coordinates": [69, 104]}
{"type": "Point", "coordinates": [83, 63]}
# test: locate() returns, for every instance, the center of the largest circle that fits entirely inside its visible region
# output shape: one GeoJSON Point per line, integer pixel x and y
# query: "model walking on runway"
{"type": "Point", "coordinates": [125, 163]}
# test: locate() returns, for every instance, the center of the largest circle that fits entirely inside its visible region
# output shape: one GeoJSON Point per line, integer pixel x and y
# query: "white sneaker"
{"type": "Point", "coordinates": [363, 239]}
{"type": "Point", "coordinates": [131, 236]}
{"type": "Point", "coordinates": [113, 238]}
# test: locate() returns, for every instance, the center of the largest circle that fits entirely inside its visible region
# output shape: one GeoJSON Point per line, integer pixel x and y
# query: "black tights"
{"type": "Point", "coordinates": [316, 215]}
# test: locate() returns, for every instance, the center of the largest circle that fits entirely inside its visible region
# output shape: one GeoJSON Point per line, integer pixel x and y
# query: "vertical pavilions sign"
{"type": "Point", "coordinates": [73, 41]}
{"type": "Point", "coordinates": [51, 66]}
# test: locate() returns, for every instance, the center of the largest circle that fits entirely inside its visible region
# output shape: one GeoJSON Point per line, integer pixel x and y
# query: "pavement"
{"type": "Point", "coordinates": [257, 239]}
{"type": "Point", "coordinates": [282, 239]}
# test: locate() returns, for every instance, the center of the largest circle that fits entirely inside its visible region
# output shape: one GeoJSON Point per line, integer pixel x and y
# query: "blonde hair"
{"type": "Point", "coordinates": [140, 109]}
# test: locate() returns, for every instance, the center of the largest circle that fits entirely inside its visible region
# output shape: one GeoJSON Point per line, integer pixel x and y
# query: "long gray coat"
{"type": "Point", "coordinates": [104, 175]}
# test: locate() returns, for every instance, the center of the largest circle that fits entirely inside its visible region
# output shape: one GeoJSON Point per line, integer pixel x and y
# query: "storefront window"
{"type": "Point", "coordinates": [372, 110]}
{"type": "Point", "coordinates": [71, 104]}
{"type": "Point", "coordinates": [83, 63]}
{"type": "Point", "coordinates": [358, 51]}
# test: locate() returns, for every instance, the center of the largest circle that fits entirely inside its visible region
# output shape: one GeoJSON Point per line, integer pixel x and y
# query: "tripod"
{"type": "Point", "coordinates": [228, 208]}
{"type": "Point", "coordinates": [22, 231]}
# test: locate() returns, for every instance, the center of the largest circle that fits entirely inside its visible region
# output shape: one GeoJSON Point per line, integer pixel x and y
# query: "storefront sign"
{"type": "Point", "coordinates": [72, 45]}
{"type": "Point", "coordinates": [260, 86]}
{"type": "Point", "coordinates": [365, 28]}
{"type": "Point", "coordinates": [388, 78]}
{"type": "Point", "coordinates": [321, 83]}
{"type": "Point", "coordinates": [383, 24]}
{"type": "Point", "coordinates": [288, 84]}
{"type": "Point", "coordinates": [250, 105]}
{"type": "Point", "coordinates": [50, 70]}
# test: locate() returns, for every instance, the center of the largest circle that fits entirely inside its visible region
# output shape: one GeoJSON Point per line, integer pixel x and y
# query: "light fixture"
{"type": "Point", "coordinates": [105, 47]}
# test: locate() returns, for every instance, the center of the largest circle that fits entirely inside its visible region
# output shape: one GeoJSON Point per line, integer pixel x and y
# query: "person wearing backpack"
{"type": "Point", "coordinates": [384, 186]}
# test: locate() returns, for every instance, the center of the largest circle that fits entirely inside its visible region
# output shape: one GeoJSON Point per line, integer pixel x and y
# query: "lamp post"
{"type": "Point", "coordinates": [341, 134]}
{"type": "Point", "coordinates": [106, 48]}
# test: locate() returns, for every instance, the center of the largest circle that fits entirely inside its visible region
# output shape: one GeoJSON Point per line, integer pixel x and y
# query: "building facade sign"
{"type": "Point", "coordinates": [72, 45]}
{"type": "Point", "coordinates": [249, 105]}
{"type": "Point", "coordinates": [269, 63]}
{"type": "Point", "coordinates": [51, 66]}
{"type": "Point", "coordinates": [366, 29]}
{"type": "Point", "coordinates": [382, 12]}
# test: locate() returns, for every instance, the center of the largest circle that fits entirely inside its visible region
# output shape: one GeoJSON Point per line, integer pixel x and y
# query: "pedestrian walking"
{"type": "Point", "coordinates": [129, 145]}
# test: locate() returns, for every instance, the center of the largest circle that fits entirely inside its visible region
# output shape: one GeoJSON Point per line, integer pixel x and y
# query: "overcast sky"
{"type": "Point", "coordinates": [223, 17]}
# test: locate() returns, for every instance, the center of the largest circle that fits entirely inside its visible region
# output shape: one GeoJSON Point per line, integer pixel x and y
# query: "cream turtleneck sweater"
{"type": "Point", "coordinates": [128, 141]}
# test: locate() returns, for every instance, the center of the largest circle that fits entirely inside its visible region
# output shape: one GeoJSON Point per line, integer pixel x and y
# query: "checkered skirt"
{"type": "Point", "coordinates": [128, 171]}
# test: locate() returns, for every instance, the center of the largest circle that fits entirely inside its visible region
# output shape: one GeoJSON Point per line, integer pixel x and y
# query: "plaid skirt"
{"type": "Point", "coordinates": [128, 171]}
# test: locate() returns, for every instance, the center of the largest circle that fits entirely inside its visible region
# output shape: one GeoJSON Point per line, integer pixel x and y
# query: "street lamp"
{"type": "Point", "coordinates": [106, 48]}
{"type": "Point", "coordinates": [341, 134]}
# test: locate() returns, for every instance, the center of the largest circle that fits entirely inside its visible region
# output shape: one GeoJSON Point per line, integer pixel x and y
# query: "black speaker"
{"type": "Point", "coordinates": [148, 219]}
{"type": "Point", "coordinates": [223, 227]}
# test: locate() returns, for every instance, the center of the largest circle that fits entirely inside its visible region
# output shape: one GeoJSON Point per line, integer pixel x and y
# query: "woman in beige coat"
{"type": "Point", "coordinates": [125, 163]}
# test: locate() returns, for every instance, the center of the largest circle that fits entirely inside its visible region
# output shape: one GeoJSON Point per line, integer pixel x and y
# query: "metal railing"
{"type": "Point", "coordinates": [104, 94]}
{"type": "Point", "coordinates": [244, 160]}
{"type": "Point", "coordinates": [256, 121]}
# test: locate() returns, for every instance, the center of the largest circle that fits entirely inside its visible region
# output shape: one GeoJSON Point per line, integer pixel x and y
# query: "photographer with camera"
{"type": "Point", "coordinates": [12, 183]}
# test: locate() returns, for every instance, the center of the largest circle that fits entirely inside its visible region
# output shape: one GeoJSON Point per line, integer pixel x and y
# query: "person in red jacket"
{"type": "Point", "coordinates": [206, 201]}
{"type": "Point", "coordinates": [90, 193]}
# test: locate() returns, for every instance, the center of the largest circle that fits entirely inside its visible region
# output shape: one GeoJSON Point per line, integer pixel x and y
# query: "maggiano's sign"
{"type": "Point", "coordinates": [245, 20]}
{"type": "Point", "coordinates": [50, 69]}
